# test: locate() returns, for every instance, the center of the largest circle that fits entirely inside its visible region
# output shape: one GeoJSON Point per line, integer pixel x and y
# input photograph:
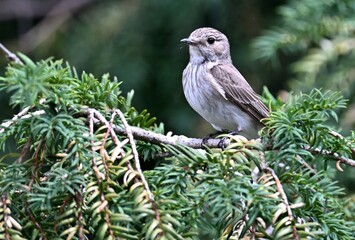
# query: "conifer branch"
{"type": "Point", "coordinates": [334, 156]}
{"type": "Point", "coordinates": [100, 156]}
{"type": "Point", "coordinates": [169, 139]}
{"type": "Point", "coordinates": [157, 138]}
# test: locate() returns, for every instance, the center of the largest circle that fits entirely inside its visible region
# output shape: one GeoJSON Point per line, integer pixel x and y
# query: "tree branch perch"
{"type": "Point", "coordinates": [156, 138]}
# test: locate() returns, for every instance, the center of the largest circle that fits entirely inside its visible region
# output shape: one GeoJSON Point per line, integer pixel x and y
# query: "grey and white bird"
{"type": "Point", "coordinates": [216, 90]}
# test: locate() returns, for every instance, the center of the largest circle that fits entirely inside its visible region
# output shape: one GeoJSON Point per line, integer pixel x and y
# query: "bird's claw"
{"type": "Point", "coordinates": [205, 139]}
{"type": "Point", "coordinates": [208, 137]}
{"type": "Point", "coordinates": [222, 143]}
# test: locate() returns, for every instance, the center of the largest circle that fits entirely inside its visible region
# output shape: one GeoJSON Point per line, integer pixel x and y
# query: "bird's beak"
{"type": "Point", "coordinates": [188, 41]}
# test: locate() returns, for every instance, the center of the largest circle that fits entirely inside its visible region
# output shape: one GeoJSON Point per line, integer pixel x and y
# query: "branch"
{"type": "Point", "coordinates": [3, 205]}
{"type": "Point", "coordinates": [284, 199]}
{"type": "Point", "coordinates": [157, 138]}
{"type": "Point", "coordinates": [135, 153]}
{"type": "Point", "coordinates": [22, 115]}
{"type": "Point", "coordinates": [35, 222]}
{"type": "Point", "coordinates": [169, 139]}
{"type": "Point", "coordinates": [335, 156]}
{"type": "Point", "coordinates": [10, 55]}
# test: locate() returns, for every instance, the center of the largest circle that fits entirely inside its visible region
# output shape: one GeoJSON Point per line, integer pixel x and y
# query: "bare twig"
{"type": "Point", "coordinates": [138, 165]}
{"type": "Point", "coordinates": [10, 55]}
{"type": "Point", "coordinates": [333, 155]}
{"type": "Point", "coordinates": [135, 153]}
{"type": "Point", "coordinates": [115, 139]}
{"type": "Point", "coordinates": [98, 174]}
{"type": "Point", "coordinates": [103, 120]}
{"type": "Point", "coordinates": [175, 140]}
{"type": "Point", "coordinates": [79, 202]}
{"type": "Point", "coordinates": [35, 222]}
{"type": "Point", "coordinates": [22, 115]}
{"type": "Point", "coordinates": [34, 176]}
{"type": "Point", "coordinates": [24, 151]}
{"type": "Point", "coordinates": [36, 162]}
{"type": "Point", "coordinates": [65, 203]}
{"type": "Point", "coordinates": [157, 138]}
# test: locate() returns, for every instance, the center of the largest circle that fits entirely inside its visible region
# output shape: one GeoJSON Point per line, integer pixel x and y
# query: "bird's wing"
{"type": "Point", "coordinates": [238, 90]}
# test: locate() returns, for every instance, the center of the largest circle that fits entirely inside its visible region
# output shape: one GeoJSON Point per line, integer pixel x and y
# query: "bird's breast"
{"type": "Point", "coordinates": [198, 91]}
{"type": "Point", "coordinates": [207, 100]}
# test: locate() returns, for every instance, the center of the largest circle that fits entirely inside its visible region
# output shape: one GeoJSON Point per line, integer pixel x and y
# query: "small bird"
{"type": "Point", "coordinates": [216, 90]}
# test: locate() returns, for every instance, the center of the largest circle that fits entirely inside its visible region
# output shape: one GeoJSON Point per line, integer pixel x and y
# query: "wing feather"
{"type": "Point", "coordinates": [238, 90]}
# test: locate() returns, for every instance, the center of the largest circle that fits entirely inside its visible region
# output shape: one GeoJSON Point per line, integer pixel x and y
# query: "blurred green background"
{"type": "Point", "coordinates": [139, 42]}
{"type": "Point", "coordinates": [284, 45]}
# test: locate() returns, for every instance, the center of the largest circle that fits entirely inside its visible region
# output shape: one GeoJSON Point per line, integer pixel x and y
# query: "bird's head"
{"type": "Point", "coordinates": [207, 44]}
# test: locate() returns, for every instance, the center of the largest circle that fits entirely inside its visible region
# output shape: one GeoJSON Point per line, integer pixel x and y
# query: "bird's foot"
{"type": "Point", "coordinates": [234, 132]}
{"type": "Point", "coordinates": [222, 142]}
{"type": "Point", "coordinates": [207, 137]}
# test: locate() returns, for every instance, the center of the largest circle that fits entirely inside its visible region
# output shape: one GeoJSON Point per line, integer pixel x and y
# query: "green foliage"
{"type": "Point", "coordinates": [51, 188]}
{"type": "Point", "coordinates": [311, 44]}
{"type": "Point", "coordinates": [220, 191]}
{"type": "Point", "coordinates": [77, 176]}
{"type": "Point", "coordinates": [321, 36]}
{"type": "Point", "coordinates": [303, 121]}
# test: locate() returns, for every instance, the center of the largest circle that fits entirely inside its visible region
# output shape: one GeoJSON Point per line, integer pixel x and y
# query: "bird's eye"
{"type": "Point", "coordinates": [211, 40]}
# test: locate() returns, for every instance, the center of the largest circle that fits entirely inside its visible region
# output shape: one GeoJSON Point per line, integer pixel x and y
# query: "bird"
{"type": "Point", "coordinates": [216, 90]}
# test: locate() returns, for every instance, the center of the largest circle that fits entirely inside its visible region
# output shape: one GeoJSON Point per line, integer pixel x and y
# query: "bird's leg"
{"type": "Point", "coordinates": [234, 132]}
{"type": "Point", "coordinates": [222, 143]}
